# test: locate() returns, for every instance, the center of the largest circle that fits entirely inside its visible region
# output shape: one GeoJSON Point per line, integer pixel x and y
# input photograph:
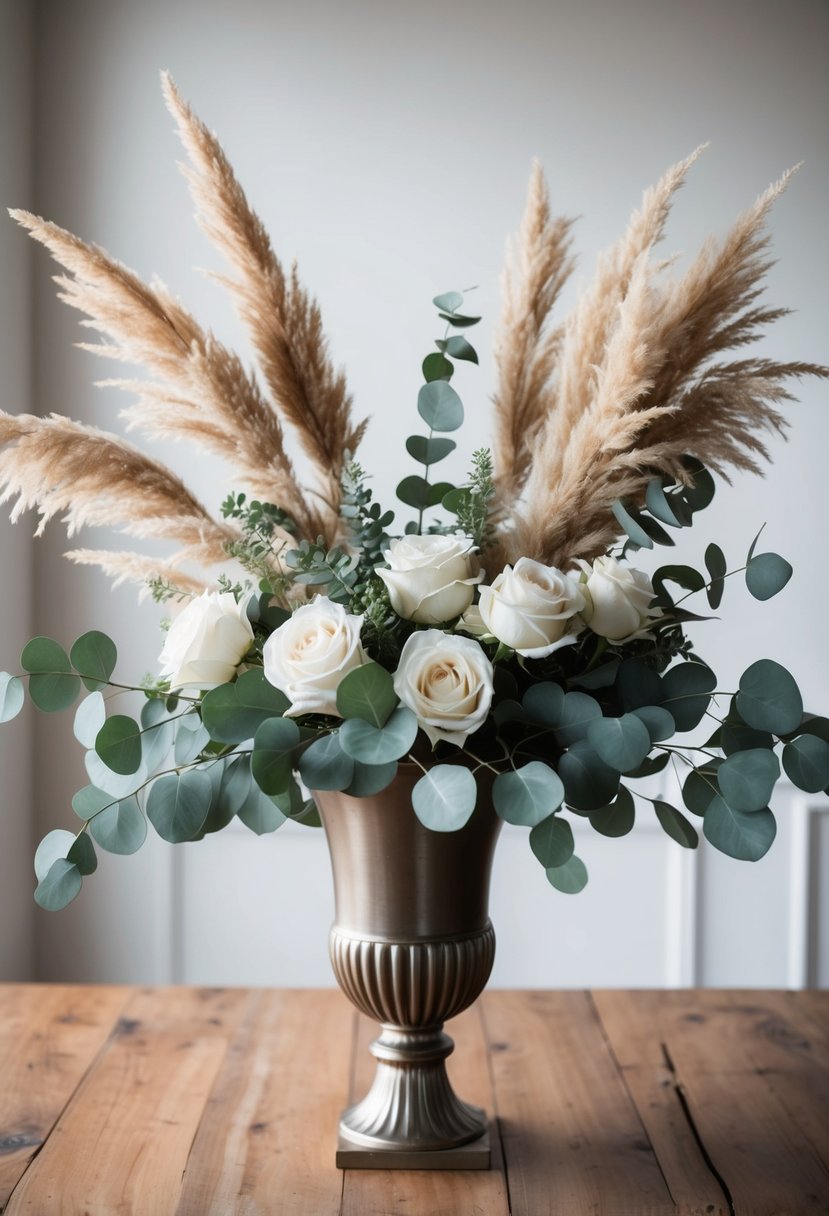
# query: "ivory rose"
{"type": "Point", "coordinates": [618, 599]}
{"type": "Point", "coordinates": [206, 641]}
{"type": "Point", "coordinates": [308, 656]}
{"type": "Point", "coordinates": [431, 579]}
{"type": "Point", "coordinates": [446, 680]}
{"type": "Point", "coordinates": [531, 607]}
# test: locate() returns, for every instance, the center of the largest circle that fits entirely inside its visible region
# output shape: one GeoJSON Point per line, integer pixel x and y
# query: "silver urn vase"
{"type": "Point", "coordinates": [412, 945]}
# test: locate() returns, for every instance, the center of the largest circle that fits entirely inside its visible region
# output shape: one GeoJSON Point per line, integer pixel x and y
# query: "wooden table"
{"type": "Point", "coordinates": [219, 1101]}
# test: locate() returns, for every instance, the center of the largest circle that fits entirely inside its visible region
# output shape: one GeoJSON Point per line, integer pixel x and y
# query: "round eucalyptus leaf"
{"type": "Point", "coordinates": [449, 301]}
{"type": "Point", "coordinates": [459, 321]}
{"type": "Point", "coordinates": [527, 795]}
{"type": "Point", "coordinates": [745, 835]}
{"type": "Point", "coordinates": [686, 693]}
{"type": "Point", "coordinates": [623, 743]}
{"type": "Point", "coordinates": [577, 712]}
{"type": "Point", "coordinates": [544, 703]}
{"type": "Point", "coordinates": [178, 805]}
{"type": "Point", "coordinates": [588, 782]}
{"type": "Point", "coordinates": [230, 782]}
{"type": "Point", "coordinates": [121, 828]}
{"type": "Point", "coordinates": [53, 845]}
{"type": "Point", "coordinates": [118, 744]}
{"type": "Point", "coordinates": [701, 787]}
{"type": "Point", "coordinates": [717, 567]}
{"type": "Point", "coordinates": [458, 347]}
{"type": "Point", "coordinates": [89, 718]}
{"type": "Point", "coordinates": [52, 684]}
{"type": "Point", "coordinates": [676, 825]}
{"type": "Point", "coordinates": [569, 878]}
{"type": "Point", "coordinates": [701, 492]}
{"type": "Point", "coordinates": [618, 818]}
{"type": "Point", "coordinates": [429, 451]}
{"type": "Point", "coordinates": [439, 491]}
{"type": "Point", "coordinates": [370, 779]}
{"type": "Point", "coordinates": [12, 696]}
{"type": "Point", "coordinates": [94, 656]}
{"type": "Point", "coordinates": [415, 492]}
{"type": "Point", "coordinates": [552, 841]}
{"type": "Point", "coordinates": [368, 693]}
{"type": "Point", "coordinates": [436, 367]}
{"type": "Point", "coordinates": [737, 737]}
{"type": "Point", "coordinates": [649, 767]}
{"type": "Point", "coordinates": [684, 576]}
{"type": "Point", "coordinates": [260, 813]}
{"type": "Point", "coordinates": [659, 504]}
{"type": "Point", "coordinates": [444, 797]}
{"type": "Point", "coordinates": [766, 574]}
{"type": "Point", "coordinates": [325, 766]}
{"type": "Point", "coordinates": [82, 854]}
{"type": "Point", "coordinates": [633, 524]}
{"type": "Point", "coordinates": [746, 779]}
{"type": "Point", "coordinates": [116, 784]}
{"type": "Point", "coordinates": [59, 887]}
{"type": "Point", "coordinates": [272, 759]}
{"type": "Point", "coordinates": [806, 761]}
{"type": "Point", "coordinates": [659, 723]}
{"type": "Point", "coordinates": [192, 737]}
{"type": "Point", "coordinates": [232, 713]}
{"type": "Point", "coordinates": [89, 801]}
{"type": "Point", "coordinates": [439, 406]}
{"type": "Point", "coordinates": [377, 745]}
{"type": "Point", "coordinates": [814, 724]}
{"type": "Point", "coordinates": [769, 698]}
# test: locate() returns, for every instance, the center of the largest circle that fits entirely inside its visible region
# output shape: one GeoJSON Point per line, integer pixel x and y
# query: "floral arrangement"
{"type": "Point", "coordinates": [498, 638]}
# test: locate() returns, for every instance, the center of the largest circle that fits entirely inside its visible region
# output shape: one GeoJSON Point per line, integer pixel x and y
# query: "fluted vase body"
{"type": "Point", "coordinates": [412, 945]}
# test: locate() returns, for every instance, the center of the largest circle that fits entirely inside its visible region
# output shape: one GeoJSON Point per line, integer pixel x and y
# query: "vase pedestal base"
{"type": "Point", "coordinates": [476, 1155]}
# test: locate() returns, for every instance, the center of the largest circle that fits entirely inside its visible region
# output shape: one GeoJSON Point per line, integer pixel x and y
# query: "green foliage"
{"type": "Point", "coordinates": [59, 887]}
{"type": "Point", "coordinates": [94, 656]}
{"type": "Point", "coordinates": [263, 526]}
{"type": "Point", "coordinates": [379, 744]}
{"type": "Point", "coordinates": [324, 765]}
{"type": "Point", "coordinates": [622, 743]}
{"type": "Point", "coordinates": [89, 719]}
{"type": "Point", "coordinates": [178, 805]}
{"type": "Point", "coordinates": [686, 693]}
{"type": "Point", "coordinates": [118, 744]}
{"type": "Point", "coordinates": [471, 502]}
{"type": "Point", "coordinates": [676, 825]}
{"type": "Point", "coordinates": [766, 574]}
{"type": "Point", "coordinates": [119, 827]}
{"type": "Point", "coordinates": [806, 763]}
{"type": "Point", "coordinates": [569, 878]}
{"type": "Point", "coordinates": [273, 754]}
{"type": "Point", "coordinates": [232, 713]}
{"type": "Point", "coordinates": [746, 779]}
{"type": "Point", "coordinates": [444, 797]}
{"type": "Point", "coordinates": [589, 783]}
{"type": "Point", "coordinates": [552, 841]}
{"type": "Point", "coordinates": [439, 406]}
{"type": "Point", "coordinates": [260, 813]}
{"type": "Point", "coordinates": [716, 566]}
{"type": "Point", "coordinates": [769, 699]}
{"type": "Point", "coordinates": [747, 836]}
{"type": "Point", "coordinates": [370, 779]}
{"type": "Point", "coordinates": [52, 684]}
{"type": "Point", "coordinates": [527, 795]}
{"type": "Point", "coordinates": [368, 693]}
{"type": "Point", "coordinates": [12, 696]}
{"type": "Point", "coordinates": [317, 566]}
{"type": "Point", "coordinates": [618, 817]}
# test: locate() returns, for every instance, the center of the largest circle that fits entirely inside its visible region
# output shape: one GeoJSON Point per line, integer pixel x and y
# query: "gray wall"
{"type": "Point", "coordinates": [387, 146]}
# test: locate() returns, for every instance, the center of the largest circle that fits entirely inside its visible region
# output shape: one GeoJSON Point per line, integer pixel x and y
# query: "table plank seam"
{"type": "Point", "coordinates": [90, 1068]}
{"type": "Point", "coordinates": [685, 1107]}
{"type": "Point", "coordinates": [496, 1119]}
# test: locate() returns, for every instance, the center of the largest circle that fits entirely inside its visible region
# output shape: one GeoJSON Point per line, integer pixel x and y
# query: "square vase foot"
{"type": "Point", "coordinates": [476, 1155]}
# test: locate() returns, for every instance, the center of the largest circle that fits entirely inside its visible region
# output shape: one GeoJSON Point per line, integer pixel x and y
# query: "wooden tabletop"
{"type": "Point", "coordinates": [210, 1102]}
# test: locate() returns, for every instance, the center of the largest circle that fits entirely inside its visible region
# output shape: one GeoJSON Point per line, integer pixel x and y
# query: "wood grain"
{"type": "Point", "coordinates": [573, 1140]}
{"type": "Point", "coordinates": [268, 1135]}
{"type": "Point", "coordinates": [49, 1036]}
{"type": "Point", "coordinates": [438, 1192]}
{"type": "Point", "coordinates": [122, 1143]}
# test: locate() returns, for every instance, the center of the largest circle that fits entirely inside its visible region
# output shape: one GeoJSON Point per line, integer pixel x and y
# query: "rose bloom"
{"type": "Point", "coordinates": [618, 600]}
{"type": "Point", "coordinates": [446, 681]}
{"type": "Point", "coordinates": [206, 641]}
{"type": "Point", "coordinates": [530, 607]}
{"type": "Point", "coordinates": [310, 654]}
{"type": "Point", "coordinates": [431, 579]}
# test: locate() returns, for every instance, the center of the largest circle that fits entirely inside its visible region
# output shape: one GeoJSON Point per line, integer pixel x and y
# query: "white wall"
{"type": "Point", "coordinates": [16, 835]}
{"type": "Point", "coordinates": [387, 146]}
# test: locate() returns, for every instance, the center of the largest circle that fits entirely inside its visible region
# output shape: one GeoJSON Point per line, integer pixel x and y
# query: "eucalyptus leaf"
{"type": "Point", "coordinates": [52, 684]}
{"type": "Point", "coordinates": [272, 759]}
{"type": "Point", "coordinates": [806, 762]}
{"type": "Point", "coordinates": [618, 817]}
{"type": "Point", "coordinates": [12, 696]}
{"type": "Point", "coordinates": [649, 767]}
{"type": "Point", "coordinates": [54, 844]}
{"type": "Point", "coordinates": [588, 782]}
{"type": "Point", "coordinates": [686, 693]}
{"type": "Point", "coordinates": [459, 348]}
{"type": "Point", "coordinates": [444, 797]}
{"type": "Point", "coordinates": [178, 805]}
{"type": "Point", "coordinates": [368, 693]}
{"type": "Point", "coordinates": [230, 785]}
{"type": "Point", "coordinates": [439, 406]}
{"type": "Point", "coordinates": [700, 494]}
{"type": "Point", "coordinates": [94, 656]}
{"type": "Point", "coordinates": [623, 743]}
{"type": "Point", "coordinates": [701, 788]}
{"type": "Point", "coordinates": [192, 737]}
{"type": "Point", "coordinates": [766, 574]}
{"type": "Point", "coordinates": [82, 854]}
{"type": "Point", "coordinates": [370, 779]}
{"type": "Point", "coordinates": [458, 320]}
{"type": "Point", "coordinates": [234, 712]}
{"type": "Point", "coordinates": [637, 685]}
{"type": "Point", "coordinates": [659, 504]}
{"type": "Point", "coordinates": [659, 723]}
{"type": "Point", "coordinates": [552, 841]}
{"type": "Point", "coordinates": [120, 828]}
{"type": "Point", "coordinates": [737, 737]}
{"type": "Point", "coordinates": [577, 712]}
{"type": "Point", "coordinates": [260, 813]}
{"type": "Point", "coordinates": [528, 794]}
{"type": "Point", "coordinates": [89, 718]}
{"type": "Point", "coordinates": [569, 878]}
{"type": "Point", "coordinates": [676, 825]}
{"type": "Point", "coordinates": [630, 520]}
{"type": "Point", "coordinates": [325, 766]}
{"type": "Point", "coordinates": [747, 836]}
{"type": "Point", "coordinates": [116, 784]}
{"type": "Point", "coordinates": [544, 703]}
{"type": "Point", "coordinates": [118, 744]}
{"type": "Point", "coordinates": [429, 451]}
{"type": "Point", "coordinates": [769, 698]}
{"type": "Point", "coordinates": [59, 887]}
{"type": "Point", "coordinates": [89, 800]}
{"type": "Point", "coordinates": [717, 567]}
{"type": "Point", "coordinates": [378, 745]}
{"type": "Point", "coordinates": [684, 576]}
{"type": "Point", "coordinates": [747, 779]}
{"type": "Point", "coordinates": [450, 301]}
{"type": "Point", "coordinates": [415, 492]}
{"type": "Point", "coordinates": [436, 367]}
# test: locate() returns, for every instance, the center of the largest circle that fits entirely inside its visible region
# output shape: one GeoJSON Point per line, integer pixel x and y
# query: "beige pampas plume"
{"type": "Point", "coordinates": [134, 567]}
{"type": "Point", "coordinates": [650, 391]}
{"type": "Point", "coordinates": [526, 348]}
{"type": "Point", "coordinates": [284, 320]}
{"type": "Point", "coordinates": [201, 392]}
{"type": "Point", "coordinates": [99, 480]}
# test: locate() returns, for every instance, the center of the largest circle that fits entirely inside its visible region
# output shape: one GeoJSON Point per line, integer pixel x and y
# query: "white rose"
{"type": "Point", "coordinates": [618, 600]}
{"type": "Point", "coordinates": [447, 681]}
{"type": "Point", "coordinates": [431, 579]}
{"type": "Point", "coordinates": [530, 607]}
{"type": "Point", "coordinates": [206, 642]}
{"type": "Point", "coordinates": [310, 654]}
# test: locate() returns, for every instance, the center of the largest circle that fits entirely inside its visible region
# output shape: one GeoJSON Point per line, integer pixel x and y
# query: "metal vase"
{"type": "Point", "coordinates": [412, 946]}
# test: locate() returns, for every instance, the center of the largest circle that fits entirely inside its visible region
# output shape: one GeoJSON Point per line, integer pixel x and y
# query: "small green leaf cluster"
{"type": "Point", "coordinates": [315, 565]}
{"type": "Point", "coordinates": [263, 527]}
